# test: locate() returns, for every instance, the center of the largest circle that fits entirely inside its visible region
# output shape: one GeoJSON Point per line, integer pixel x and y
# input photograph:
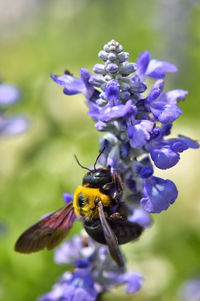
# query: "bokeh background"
{"type": "Point", "coordinates": [38, 37]}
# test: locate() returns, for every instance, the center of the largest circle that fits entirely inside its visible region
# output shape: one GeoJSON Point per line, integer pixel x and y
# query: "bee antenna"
{"type": "Point", "coordinates": [80, 163]}
{"type": "Point", "coordinates": [99, 155]}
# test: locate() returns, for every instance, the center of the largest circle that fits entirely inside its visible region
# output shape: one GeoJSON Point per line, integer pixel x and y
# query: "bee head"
{"type": "Point", "coordinates": [97, 177]}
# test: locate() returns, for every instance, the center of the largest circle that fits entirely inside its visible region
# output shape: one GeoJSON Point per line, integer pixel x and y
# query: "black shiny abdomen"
{"type": "Point", "coordinates": [95, 231]}
{"type": "Point", "coordinates": [124, 230]}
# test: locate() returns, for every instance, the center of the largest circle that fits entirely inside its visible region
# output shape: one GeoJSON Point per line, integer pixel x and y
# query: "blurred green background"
{"type": "Point", "coordinates": [38, 37]}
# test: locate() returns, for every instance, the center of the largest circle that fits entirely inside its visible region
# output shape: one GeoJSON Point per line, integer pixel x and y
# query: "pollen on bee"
{"type": "Point", "coordinates": [84, 201]}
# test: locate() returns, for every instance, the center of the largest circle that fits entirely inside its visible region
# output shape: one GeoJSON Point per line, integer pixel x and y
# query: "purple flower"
{"type": "Point", "coordinates": [166, 154]}
{"type": "Point", "coordinates": [135, 141]}
{"type": "Point", "coordinates": [165, 113]}
{"type": "Point", "coordinates": [190, 290]}
{"type": "Point", "coordinates": [78, 286]}
{"type": "Point", "coordinates": [164, 106]}
{"type": "Point", "coordinates": [141, 217]}
{"type": "Point", "coordinates": [73, 85]}
{"type": "Point", "coordinates": [13, 125]}
{"type": "Point", "coordinates": [9, 94]}
{"type": "Point", "coordinates": [112, 93]}
{"type": "Point", "coordinates": [140, 133]}
{"type": "Point", "coordinates": [134, 281]}
{"type": "Point", "coordinates": [164, 157]}
{"type": "Point", "coordinates": [67, 197]}
{"type": "Point", "coordinates": [71, 250]}
{"type": "Point", "coordinates": [153, 68]}
{"type": "Point", "coordinates": [108, 112]}
{"type": "Point", "coordinates": [158, 194]}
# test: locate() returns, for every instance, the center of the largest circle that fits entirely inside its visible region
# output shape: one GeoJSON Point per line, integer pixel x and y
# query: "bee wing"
{"type": "Point", "coordinates": [48, 232]}
{"type": "Point", "coordinates": [110, 238]}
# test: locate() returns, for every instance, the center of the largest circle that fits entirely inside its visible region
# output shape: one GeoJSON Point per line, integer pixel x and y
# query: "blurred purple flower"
{"type": "Point", "coordinates": [190, 290]}
{"type": "Point", "coordinates": [78, 285]}
{"type": "Point", "coordinates": [13, 125]}
{"type": "Point", "coordinates": [134, 281]}
{"type": "Point", "coordinates": [9, 94]}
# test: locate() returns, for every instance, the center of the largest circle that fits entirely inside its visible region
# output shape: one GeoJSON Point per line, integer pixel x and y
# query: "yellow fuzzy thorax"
{"type": "Point", "coordinates": [88, 196]}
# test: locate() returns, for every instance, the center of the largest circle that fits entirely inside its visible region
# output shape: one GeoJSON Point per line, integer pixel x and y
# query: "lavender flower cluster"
{"type": "Point", "coordinates": [15, 124]}
{"type": "Point", "coordinates": [138, 120]}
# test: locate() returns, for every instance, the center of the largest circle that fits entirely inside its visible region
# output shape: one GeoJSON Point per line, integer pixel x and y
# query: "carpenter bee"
{"type": "Point", "coordinates": [104, 215]}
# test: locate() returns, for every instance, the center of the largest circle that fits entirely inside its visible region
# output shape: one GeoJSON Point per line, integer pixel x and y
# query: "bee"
{"type": "Point", "coordinates": [98, 202]}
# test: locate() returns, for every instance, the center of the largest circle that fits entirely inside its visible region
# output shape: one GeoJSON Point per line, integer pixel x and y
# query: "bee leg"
{"type": "Point", "coordinates": [117, 195]}
{"type": "Point", "coordinates": [108, 186]}
{"type": "Point", "coordinates": [116, 216]}
{"type": "Point", "coordinates": [121, 213]}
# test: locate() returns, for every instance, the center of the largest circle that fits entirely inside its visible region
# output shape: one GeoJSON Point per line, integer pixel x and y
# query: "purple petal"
{"type": "Point", "coordinates": [94, 111]}
{"type": "Point", "coordinates": [13, 125]}
{"type": "Point", "coordinates": [139, 133]}
{"type": "Point", "coordinates": [158, 194]}
{"type": "Point", "coordinates": [153, 94]}
{"type": "Point", "coordinates": [143, 62]}
{"type": "Point", "coordinates": [179, 146]}
{"type": "Point", "coordinates": [137, 86]}
{"type": "Point", "coordinates": [173, 96]}
{"type": "Point", "coordinates": [78, 286]}
{"type": "Point", "coordinates": [190, 290]}
{"type": "Point", "coordinates": [85, 76]}
{"type": "Point", "coordinates": [165, 113]}
{"type": "Point", "coordinates": [133, 280]}
{"type": "Point", "coordinates": [164, 157]}
{"type": "Point", "coordinates": [9, 94]}
{"type": "Point", "coordinates": [108, 113]}
{"type": "Point", "coordinates": [69, 251]}
{"type": "Point", "coordinates": [190, 143]}
{"type": "Point", "coordinates": [156, 91]}
{"type": "Point", "coordinates": [112, 93]}
{"type": "Point", "coordinates": [140, 217]}
{"type": "Point", "coordinates": [113, 158]}
{"type": "Point", "coordinates": [72, 85]}
{"type": "Point", "coordinates": [67, 197]}
{"type": "Point", "coordinates": [157, 69]}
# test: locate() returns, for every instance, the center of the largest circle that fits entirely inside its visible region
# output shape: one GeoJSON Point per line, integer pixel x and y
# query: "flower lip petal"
{"type": "Point", "coordinates": [164, 157]}
{"type": "Point", "coordinates": [165, 113]}
{"type": "Point", "coordinates": [109, 113]}
{"type": "Point", "coordinates": [158, 195]}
